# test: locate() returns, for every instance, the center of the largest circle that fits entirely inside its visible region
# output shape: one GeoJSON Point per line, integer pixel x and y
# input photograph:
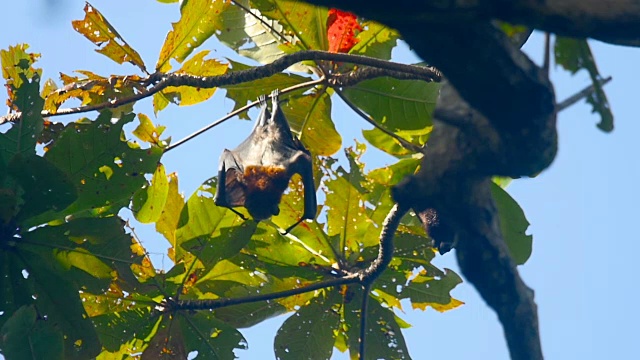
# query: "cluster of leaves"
{"type": "Point", "coordinates": [76, 284]}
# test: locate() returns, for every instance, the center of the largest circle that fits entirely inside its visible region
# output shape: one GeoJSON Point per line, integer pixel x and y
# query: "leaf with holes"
{"type": "Point", "coordinates": [97, 29]}
{"type": "Point", "coordinates": [182, 333]}
{"type": "Point", "coordinates": [23, 84]}
{"type": "Point", "coordinates": [148, 202]}
{"type": "Point", "coordinates": [42, 187]}
{"type": "Point", "coordinates": [106, 170]}
{"type": "Point", "coordinates": [575, 55]}
{"type": "Point", "coordinates": [309, 333]}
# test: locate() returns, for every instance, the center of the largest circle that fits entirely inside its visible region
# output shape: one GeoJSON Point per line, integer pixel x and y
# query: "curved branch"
{"type": "Point", "coordinates": [364, 277]}
{"type": "Point", "coordinates": [237, 77]}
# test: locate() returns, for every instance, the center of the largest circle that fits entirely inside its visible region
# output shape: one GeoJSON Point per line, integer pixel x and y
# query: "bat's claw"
{"type": "Point", "coordinates": [288, 230]}
{"type": "Point", "coordinates": [238, 213]}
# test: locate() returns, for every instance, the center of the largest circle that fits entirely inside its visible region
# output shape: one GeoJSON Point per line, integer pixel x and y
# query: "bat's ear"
{"type": "Point", "coordinates": [235, 192]}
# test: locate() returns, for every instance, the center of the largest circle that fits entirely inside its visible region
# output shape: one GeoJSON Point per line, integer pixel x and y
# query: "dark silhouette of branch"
{"type": "Point", "coordinates": [161, 81]}
{"type": "Point", "coordinates": [617, 22]}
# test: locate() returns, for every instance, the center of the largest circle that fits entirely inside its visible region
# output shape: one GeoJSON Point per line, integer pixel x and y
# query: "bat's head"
{"type": "Point", "coordinates": [264, 188]}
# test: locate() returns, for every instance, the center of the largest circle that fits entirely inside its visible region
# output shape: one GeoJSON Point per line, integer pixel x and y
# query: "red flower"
{"type": "Point", "coordinates": [341, 30]}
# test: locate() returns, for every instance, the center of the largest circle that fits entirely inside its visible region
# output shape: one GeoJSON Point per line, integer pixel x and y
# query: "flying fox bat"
{"type": "Point", "coordinates": [257, 172]}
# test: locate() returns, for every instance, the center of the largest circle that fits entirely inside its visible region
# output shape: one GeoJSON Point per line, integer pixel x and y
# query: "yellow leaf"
{"type": "Point", "coordinates": [197, 66]}
{"type": "Point", "coordinates": [98, 30]}
{"type": "Point", "coordinates": [147, 132]}
{"type": "Point", "coordinates": [454, 303]}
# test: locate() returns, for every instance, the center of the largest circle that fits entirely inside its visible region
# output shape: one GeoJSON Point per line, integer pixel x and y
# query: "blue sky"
{"type": "Point", "coordinates": [583, 209]}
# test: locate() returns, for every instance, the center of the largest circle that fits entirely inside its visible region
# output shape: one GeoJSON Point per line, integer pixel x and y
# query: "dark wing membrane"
{"type": "Point", "coordinates": [234, 188]}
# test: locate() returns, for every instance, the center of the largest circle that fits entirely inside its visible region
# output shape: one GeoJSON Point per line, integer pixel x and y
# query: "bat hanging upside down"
{"type": "Point", "coordinates": [257, 172]}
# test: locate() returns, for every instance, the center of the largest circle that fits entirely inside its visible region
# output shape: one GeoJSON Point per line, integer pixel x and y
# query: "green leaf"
{"type": "Point", "coordinates": [201, 221]}
{"type": "Point", "coordinates": [43, 186]}
{"type": "Point", "coordinates": [347, 214]}
{"type": "Point", "coordinates": [384, 338]}
{"type": "Point", "coordinates": [23, 81]}
{"type": "Point", "coordinates": [148, 203]}
{"type": "Point", "coordinates": [513, 224]}
{"type": "Point", "coordinates": [98, 30]}
{"type": "Point", "coordinates": [106, 170]}
{"type": "Point", "coordinates": [393, 174]}
{"type": "Point", "coordinates": [574, 55]}
{"type": "Point", "coordinates": [198, 21]}
{"type": "Point", "coordinates": [249, 314]}
{"type": "Point", "coordinates": [56, 298]}
{"type": "Point", "coordinates": [246, 92]}
{"type": "Point", "coordinates": [502, 181]}
{"type": "Point", "coordinates": [24, 336]}
{"type": "Point", "coordinates": [120, 327]}
{"type": "Point", "coordinates": [310, 116]}
{"type": "Point", "coordinates": [98, 247]}
{"type": "Point", "coordinates": [298, 247]}
{"type": "Point", "coordinates": [168, 221]}
{"type": "Point", "coordinates": [391, 145]}
{"type": "Point", "coordinates": [375, 41]}
{"type": "Point", "coordinates": [424, 290]}
{"type": "Point", "coordinates": [252, 35]}
{"type": "Point", "coordinates": [307, 22]}
{"type": "Point", "coordinates": [396, 104]}
{"type": "Point", "coordinates": [179, 335]}
{"type": "Point", "coordinates": [309, 333]}
{"type": "Point", "coordinates": [222, 243]}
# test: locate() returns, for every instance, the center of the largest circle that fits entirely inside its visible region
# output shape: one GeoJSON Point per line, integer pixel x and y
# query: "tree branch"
{"type": "Point", "coordinates": [364, 277]}
{"type": "Point", "coordinates": [173, 79]}
{"type": "Point", "coordinates": [566, 103]}
{"type": "Point", "coordinates": [613, 21]}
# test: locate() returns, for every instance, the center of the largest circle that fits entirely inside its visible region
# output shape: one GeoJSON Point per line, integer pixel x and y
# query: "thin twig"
{"type": "Point", "coordinates": [363, 319]}
{"type": "Point", "coordinates": [240, 110]}
{"type": "Point", "coordinates": [564, 104]}
{"type": "Point", "coordinates": [547, 53]}
{"type": "Point", "coordinates": [404, 143]}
